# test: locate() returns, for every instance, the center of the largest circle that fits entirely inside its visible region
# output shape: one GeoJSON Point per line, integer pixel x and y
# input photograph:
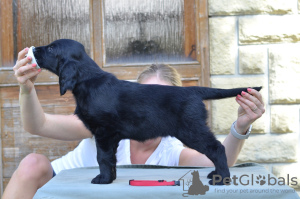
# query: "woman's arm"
{"type": "Point", "coordinates": [35, 121]}
{"type": "Point", "coordinates": [251, 108]}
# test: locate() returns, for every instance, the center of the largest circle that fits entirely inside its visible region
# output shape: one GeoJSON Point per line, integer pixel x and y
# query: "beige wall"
{"type": "Point", "coordinates": [257, 43]}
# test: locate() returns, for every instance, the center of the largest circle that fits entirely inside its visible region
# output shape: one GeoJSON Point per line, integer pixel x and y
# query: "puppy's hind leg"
{"type": "Point", "coordinates": [216, 153]}
{"type": "Point", "coordinates": [106, 150]}
{"type": "Point", "coordinates": [206, 143]}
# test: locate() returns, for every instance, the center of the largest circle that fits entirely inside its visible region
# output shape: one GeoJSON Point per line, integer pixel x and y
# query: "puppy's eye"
{"type": "Point", "coordinates": [50, 49]}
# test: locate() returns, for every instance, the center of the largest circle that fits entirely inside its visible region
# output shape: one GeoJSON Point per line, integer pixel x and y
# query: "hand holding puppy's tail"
{"type": "Point", "coordinates": [217, 93]}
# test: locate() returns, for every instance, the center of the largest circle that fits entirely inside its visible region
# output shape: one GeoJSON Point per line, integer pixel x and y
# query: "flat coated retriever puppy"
{"type": "Point", "coordinates": [113, 109]}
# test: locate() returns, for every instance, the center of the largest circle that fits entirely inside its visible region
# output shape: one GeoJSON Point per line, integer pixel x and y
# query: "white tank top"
{"type": "Point", "coordinates": [167, 153]}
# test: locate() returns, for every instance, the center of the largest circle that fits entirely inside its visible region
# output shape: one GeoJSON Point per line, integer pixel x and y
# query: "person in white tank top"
{"type": "Point", "coordinates": [35, 170]}
{"type": "Point", "coordinates": [167, 153]}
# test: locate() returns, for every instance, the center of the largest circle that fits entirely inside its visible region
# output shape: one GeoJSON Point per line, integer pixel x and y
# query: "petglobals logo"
{"type": "Point", "coordinates": [194, 185]}
{"type": "Point", "coordinates": [247, 180]}
{"type": "Point", "coordinates": [253, 184]}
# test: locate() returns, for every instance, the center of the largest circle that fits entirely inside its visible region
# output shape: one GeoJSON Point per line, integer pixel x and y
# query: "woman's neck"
{"type": "Point", "coordinates": [141, 151]}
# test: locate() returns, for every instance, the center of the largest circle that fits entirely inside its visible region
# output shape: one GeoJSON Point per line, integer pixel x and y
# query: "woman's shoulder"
{"type": "Point", "coordinates": [171, 141]}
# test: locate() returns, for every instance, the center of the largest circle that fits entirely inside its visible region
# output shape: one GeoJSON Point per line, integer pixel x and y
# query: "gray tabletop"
{"type": "Point", "coordinates": [247, 181]}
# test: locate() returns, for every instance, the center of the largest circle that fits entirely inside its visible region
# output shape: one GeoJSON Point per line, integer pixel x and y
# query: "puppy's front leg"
{"type": "Point", "coordinates": [107, 161]}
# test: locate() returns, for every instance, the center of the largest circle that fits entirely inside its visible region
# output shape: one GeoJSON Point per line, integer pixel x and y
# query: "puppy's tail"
{"type": "Point", "coordinates": [217, 93]}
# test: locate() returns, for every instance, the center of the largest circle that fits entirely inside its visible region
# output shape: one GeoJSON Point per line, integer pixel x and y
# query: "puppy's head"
{"type": "Point", "coordinates": [61, 57]}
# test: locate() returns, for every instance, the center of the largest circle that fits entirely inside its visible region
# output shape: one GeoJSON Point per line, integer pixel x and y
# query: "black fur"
{"type": "Point", "coordinates": [113, 109]}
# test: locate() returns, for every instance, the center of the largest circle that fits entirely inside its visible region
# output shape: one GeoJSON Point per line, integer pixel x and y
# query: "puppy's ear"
{"type": "Point", "coordinates": [67, 77]}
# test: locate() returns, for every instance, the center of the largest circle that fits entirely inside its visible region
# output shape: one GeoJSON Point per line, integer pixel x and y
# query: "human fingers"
{"type": "Point", "coordinates": [256, 99]}
{"type": "Point", "coordinates": [28, 75]}
{"type": "Point", "coordinates": [22, 53]}
{"type": "Point", "coordinates": [25, 69]}
{"type": "Point", "coordinates": [256, 94]}
{"type": "Point", "coordinates": [22, 61]}
{"type": "Point", "coordinates": [250, 107]}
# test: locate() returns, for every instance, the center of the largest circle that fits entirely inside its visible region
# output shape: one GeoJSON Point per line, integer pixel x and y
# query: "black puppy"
{"type": "Point", "coordinates": [113, 109]}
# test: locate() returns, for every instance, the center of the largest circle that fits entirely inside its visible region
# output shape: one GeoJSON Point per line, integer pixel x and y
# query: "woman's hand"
{"type": "Point", "coordinates": [251, 108]}
{"type": "Point", "coordinates": [25, 73]}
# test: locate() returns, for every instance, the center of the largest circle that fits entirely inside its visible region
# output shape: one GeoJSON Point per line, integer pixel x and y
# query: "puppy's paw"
{"type": "Point", "coordinates": [218, 179]}
{"type": "Point", "coordinates": [211, 174]}
{"type": "Point", "coordinates": [100, 179]}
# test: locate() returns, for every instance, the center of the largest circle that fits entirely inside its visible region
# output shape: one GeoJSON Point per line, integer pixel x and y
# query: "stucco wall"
{"type": "Point", "coordinates": [257, 43]}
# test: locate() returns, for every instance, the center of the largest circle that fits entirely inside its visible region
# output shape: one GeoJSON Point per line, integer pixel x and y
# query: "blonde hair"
{"type": "Point", "coordinates": [163, 72]}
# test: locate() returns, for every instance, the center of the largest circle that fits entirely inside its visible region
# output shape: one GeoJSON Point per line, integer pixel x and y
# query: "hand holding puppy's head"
{"type": "Point", "coordinates": [61, 57]}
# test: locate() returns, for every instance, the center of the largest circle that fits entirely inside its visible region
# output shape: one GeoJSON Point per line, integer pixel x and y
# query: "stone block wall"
{"type": "Point", "coordinates": [257, 43]}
